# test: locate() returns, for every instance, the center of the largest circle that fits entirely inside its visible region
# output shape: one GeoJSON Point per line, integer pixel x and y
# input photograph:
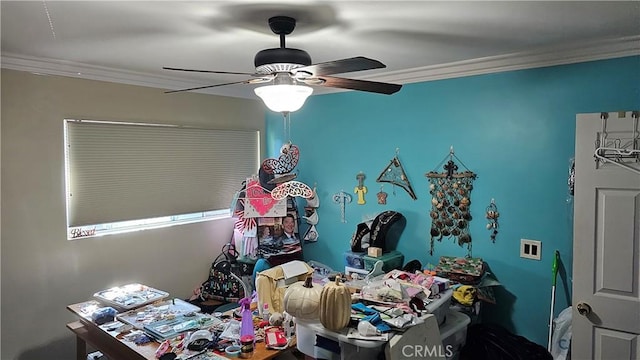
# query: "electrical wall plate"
{"type": "Point", "coordinates": [530, 249]}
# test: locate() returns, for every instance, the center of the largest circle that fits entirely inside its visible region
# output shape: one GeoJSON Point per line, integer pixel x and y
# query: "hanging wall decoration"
{"type": "Point", "coordinates": [261, 203]}
{"type": "Point", "coordinates": [492, 216]}
{"type": "Point", "coordinates": [285, 163]}
{"type": "Point", "coordinates": [394, 174]}
{"type": "Point", "coordinates": [382, 196]}
{"type": "Point", "coordinates": [311, 235]}
{"type": "Point", "coordinates": [291, 188]}
{"type": "Point", "coordinates": [311, 216]}
{"type": "Point", "coordinates": [360, 190]}
{"type": "Point", "coordinates": [342, 198]}
{"type": "Point", "coordinates": [450, 201]}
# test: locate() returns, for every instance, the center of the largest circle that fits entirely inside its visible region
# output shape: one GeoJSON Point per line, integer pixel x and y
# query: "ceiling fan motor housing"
{"type": "Point", "coordinates": [280, 60]}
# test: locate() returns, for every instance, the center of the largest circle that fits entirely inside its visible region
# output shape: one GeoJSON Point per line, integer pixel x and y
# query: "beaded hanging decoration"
{"type": "Point", "coordinates": [450, 202]}
{"type": "Point", "coordinates": [492, 216]}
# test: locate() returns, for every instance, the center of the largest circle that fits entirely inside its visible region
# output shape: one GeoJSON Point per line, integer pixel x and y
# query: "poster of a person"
{"type": "Point", "coordinates": [289, 236]}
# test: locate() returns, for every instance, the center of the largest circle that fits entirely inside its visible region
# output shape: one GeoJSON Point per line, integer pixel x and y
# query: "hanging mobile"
{"type": "Point", "coordinates": [492, 216]}
{"type": "Point", "coordinates": [360, 190]}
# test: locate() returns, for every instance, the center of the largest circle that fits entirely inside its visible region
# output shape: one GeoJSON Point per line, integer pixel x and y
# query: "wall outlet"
{"type": "Point", "coordinates": [530, 249]}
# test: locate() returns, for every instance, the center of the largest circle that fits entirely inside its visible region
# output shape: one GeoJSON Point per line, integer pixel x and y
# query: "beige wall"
{"type": "Point", "coordinates": [42, 272]}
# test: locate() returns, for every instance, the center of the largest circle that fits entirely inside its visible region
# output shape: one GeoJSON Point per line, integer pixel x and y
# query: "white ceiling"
{"type": "Point", "coordinates": [130, 41]}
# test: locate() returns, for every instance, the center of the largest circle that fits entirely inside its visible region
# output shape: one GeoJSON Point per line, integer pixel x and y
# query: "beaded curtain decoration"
{"type": "Point", "coordinates": [450, 201]}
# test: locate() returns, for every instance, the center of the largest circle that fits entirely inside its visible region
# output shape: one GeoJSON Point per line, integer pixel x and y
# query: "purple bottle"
{"type": "Point", "coordinates": [246, 324]}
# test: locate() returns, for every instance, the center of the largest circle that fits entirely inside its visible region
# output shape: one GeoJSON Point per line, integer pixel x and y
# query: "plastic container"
{"type": "Point", "coordinates": [391, 260]}
{"type": "Point", "coordinates": [451, 324]}
{"type": "Point", "coordinates": [454, 334]}
{"type": "Point", "coordinates": [306, 332]}
{"type": "Point", "coordinates": [440, 307]}
{"type": "Point", "coordinates": [354, 259]}
{"type": "Point", "coordinates": [321, 272]}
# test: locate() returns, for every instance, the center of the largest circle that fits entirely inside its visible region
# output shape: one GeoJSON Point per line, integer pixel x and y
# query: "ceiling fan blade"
{"type": "Point", "coordinates": [212, 72]}
{"type": "Point", "coordinates": [208, 86]}
{"type": "Point", "coordinates": [357, 63]}
{"type": "Point", "coordinates": [362, 85]}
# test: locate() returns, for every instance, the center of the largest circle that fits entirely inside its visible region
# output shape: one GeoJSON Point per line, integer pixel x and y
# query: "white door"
{"type": "Point", "coordinates": [606, 242]}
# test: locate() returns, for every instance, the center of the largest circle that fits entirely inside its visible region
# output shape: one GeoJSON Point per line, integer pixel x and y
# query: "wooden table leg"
{"type": "Point", "coordinates": [81, 349]}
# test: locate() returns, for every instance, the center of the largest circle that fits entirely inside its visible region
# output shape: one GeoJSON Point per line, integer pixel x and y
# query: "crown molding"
{"type": "Point", "coordinates": [597, 50]}
{"type": "Point", "coordinates": [591, 51]}
{"type": "Point", "coordinates": [45, 66]}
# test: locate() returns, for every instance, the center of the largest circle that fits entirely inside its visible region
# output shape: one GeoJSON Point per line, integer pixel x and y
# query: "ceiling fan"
{"type": "Point", "coordinates": [288, 73]}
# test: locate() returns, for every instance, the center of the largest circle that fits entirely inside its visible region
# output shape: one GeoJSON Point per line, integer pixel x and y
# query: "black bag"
{"type": "Point", "coordinates": [221, 286]}
{"type": "Point", "coordinates": [493, 342]}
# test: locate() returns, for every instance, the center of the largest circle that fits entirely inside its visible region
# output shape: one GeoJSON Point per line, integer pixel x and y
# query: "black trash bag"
{"type": "Point", "coordinates": [493, 342]}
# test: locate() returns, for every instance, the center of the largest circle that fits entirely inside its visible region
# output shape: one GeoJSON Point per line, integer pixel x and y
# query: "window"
{"type": "Point", "coordinates": [126, 176]}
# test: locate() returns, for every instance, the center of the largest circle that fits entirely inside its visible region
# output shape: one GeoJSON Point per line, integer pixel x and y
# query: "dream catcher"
{"type": "Point", "coordinates": [394, 174]}
{"type": "Point", "coordinates": [450, 202]}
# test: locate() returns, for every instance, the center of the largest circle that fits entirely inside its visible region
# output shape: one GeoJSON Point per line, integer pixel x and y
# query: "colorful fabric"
{"type": "Point", "coordinates": [469, 266]}
{"type": "Point", "coordinates": [465, 295]}
{"type": "Point", "coordinates": [463, 270]}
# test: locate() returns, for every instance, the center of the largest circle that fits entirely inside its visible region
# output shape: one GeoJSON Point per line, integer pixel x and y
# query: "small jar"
{"type": "Point", "coordinates": [246, 346]}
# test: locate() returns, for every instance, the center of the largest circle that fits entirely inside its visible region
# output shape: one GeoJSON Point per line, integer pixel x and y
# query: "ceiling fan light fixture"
{"type": "Point", "coordinates": [284, 97]}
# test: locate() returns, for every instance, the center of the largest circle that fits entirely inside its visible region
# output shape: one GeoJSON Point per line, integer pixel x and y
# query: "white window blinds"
{"type": "Point", "coordinates": [118, 171]}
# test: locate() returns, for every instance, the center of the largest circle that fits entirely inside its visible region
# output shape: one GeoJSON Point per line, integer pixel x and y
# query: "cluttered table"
{"type": "Point", "coordinates": [126, 335]}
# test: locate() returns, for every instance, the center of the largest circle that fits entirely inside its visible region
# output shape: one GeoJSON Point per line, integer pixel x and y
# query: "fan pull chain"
{"type": "Point", "coordinates": [286, 126]}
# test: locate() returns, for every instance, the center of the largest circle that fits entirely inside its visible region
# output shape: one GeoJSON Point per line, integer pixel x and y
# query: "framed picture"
{"type": "Point", "coordinates": [278, 236]}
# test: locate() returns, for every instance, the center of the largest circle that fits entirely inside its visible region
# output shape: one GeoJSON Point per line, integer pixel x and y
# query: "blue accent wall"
{"type": "Point", "coordinates": [514, 129]}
